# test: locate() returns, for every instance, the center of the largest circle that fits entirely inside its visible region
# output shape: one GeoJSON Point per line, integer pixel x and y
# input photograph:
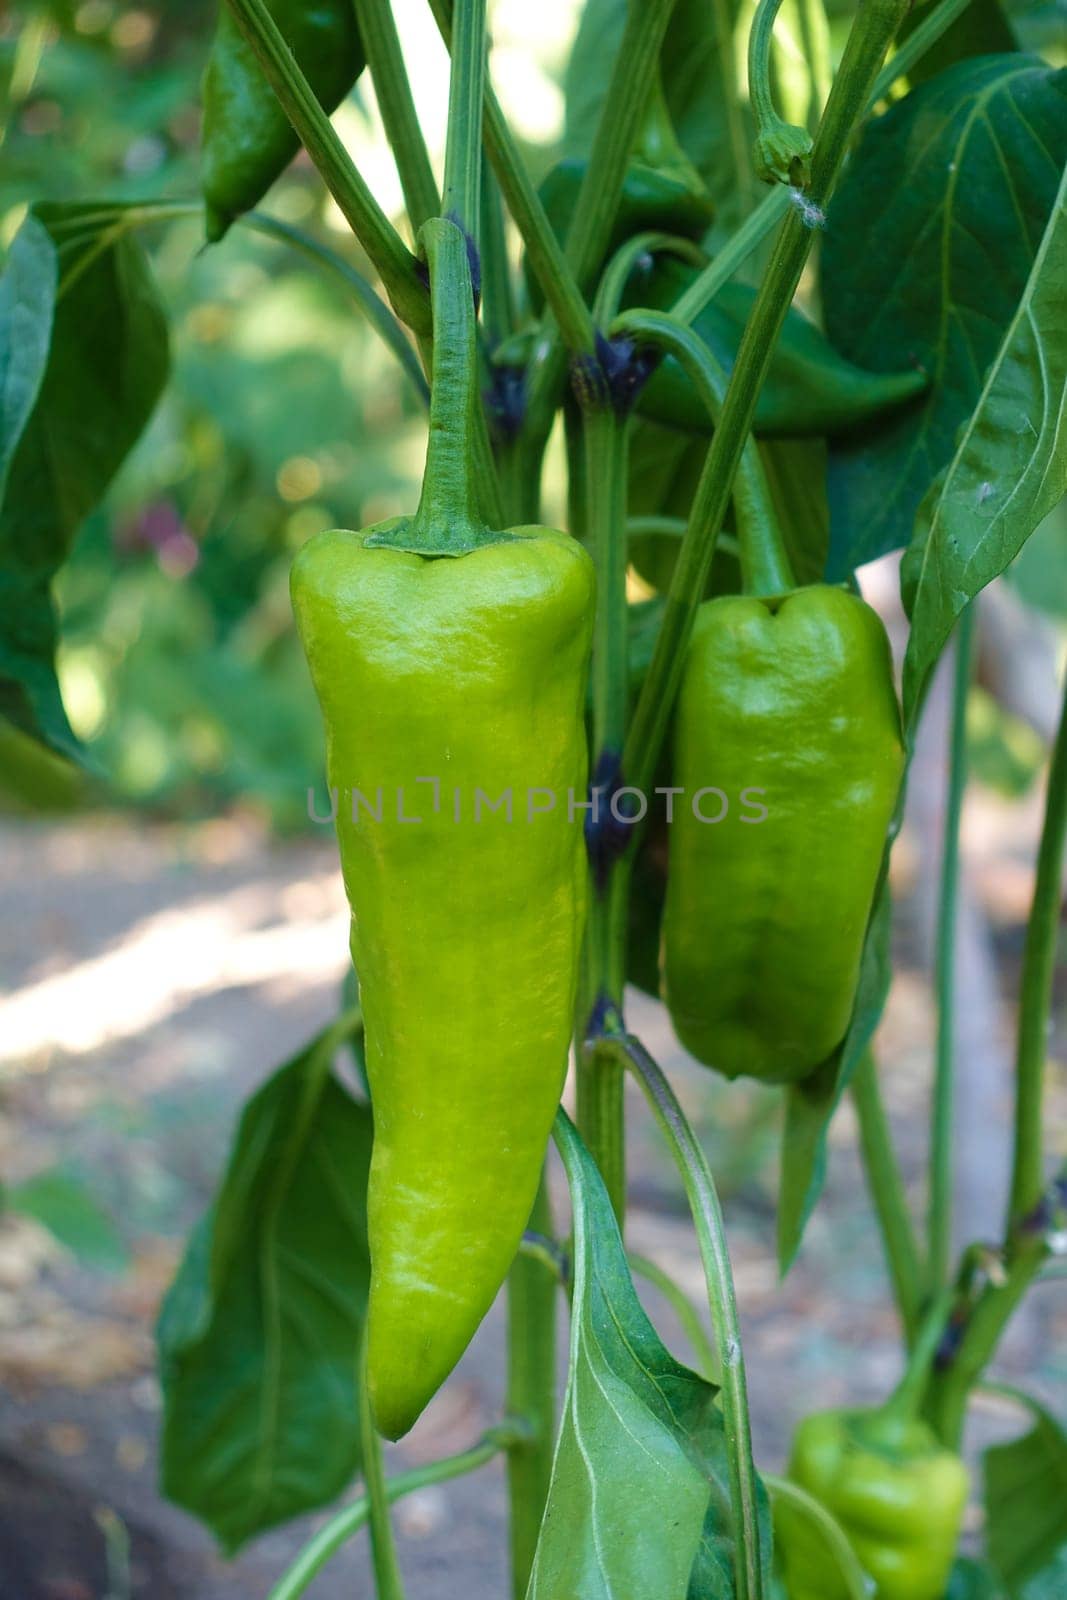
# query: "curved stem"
{"type": "Point", "coordinates": [388, 1584]}
{"type": "Point", "coordinates": [939, 1215]}
{"type": "Point", "coordinates": [394, 262]}
{"type": "Point", "coordinates": [614, 278]}
{"type": "Point", "coordinates": [887, 1191]}
{"type": "Point", "coordinates": [711, 1236]}
{"type": "Point", "coordinates": [906, 1399]}
{"type": "Point", "coordinates": [386, 61]}
{"type": "Point", "coordinates": [684, 1310]}
{"type": "Point", "coordinates": [872, 31]}
{"type": "Point", "coordinates": [463, 148]}
{"type": "Point", "coordinates": [765, 566]}
{"type": "Point", "coordinates": [532, 1285]}
{"type": "Point", "coordinates": [378, 313]}
{"type": "Point", "coordinates": [1035, 996]}
{"type": "Point", "coordinates": [846, 1561]}
{"type": "Point", "coordinates": [340, 1528]}
{"type": "Point", "coordinates": [781, 149]}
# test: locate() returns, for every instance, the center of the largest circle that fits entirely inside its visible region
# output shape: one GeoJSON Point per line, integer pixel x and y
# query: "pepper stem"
{"type": "Point", "coordinates": [782, 149]}
{"type": "Point", "coordinates": [448, 521]}
{"type": "Point", "coordinates": [907, 1398]}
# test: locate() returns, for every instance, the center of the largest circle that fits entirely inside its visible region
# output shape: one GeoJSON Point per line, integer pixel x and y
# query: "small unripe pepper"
{"type": "Point", "coordinates": [443, 651]}
{"type": "Point", "coordinates": [788, 750]}
{"type": "Point", "coordinates": [897, 1494]}
{"type": "Point", "coordinates": [247, 140]}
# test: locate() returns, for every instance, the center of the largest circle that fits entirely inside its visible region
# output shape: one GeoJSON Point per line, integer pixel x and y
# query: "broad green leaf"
{"type": "Point", "coordinates": [1048, 1584]}
{"type": "Point", "coordinates": [260, 1331]}
{"type": "Point", "coordinates": [107, 363]}
{"type": "Point", "coordinates": [700, 82]}
{"type": "Point", "coordinates": [27, 303]}
{"type": "Point", "coordinates": [810, 1106]}
{"type": "Point", "coordinates": [929, 247]}
{"type": "Point", "coordinates": [1026, 1501]}
{"type": "Point", "coordinates": [638, 1502]}
{"type": "Point", "coordinates": [1009, 469]}
{"type": "Point", "coordinates": [62, 1203]}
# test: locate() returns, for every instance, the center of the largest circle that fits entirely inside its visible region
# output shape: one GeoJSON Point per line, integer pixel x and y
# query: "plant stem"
{"type": "Point", "coordinates": [1035, 995]}
{"type": "Point", "coordinates": [939, 1214]}
{"type": "Point", "coordinates": [378, 313]}
{"type": "Point", "coordinates": [872, 31]}
{"type": "Point", "coordinates": [386, 61]}
{"type": "Point", "coordinates": [532, 1285]}
{"type": "Point", "coordinates": [462, 196]}
{"type": "Point", "coordinates": [906, 1399]}
{"type": "Point", "coordinates": [849, 1571]}
{"type": "Point", "coordinates": [765, 567]}
{"type": "Point", "coordinates": [394, 262]}
{"type": "Point", "coordinates": [711, 1237]}
{"type": "Point", "coordinates": [599, 1077]}
{"type": "Point", "coordinates": [340, 1528]}
{"type": "Point", "coordinates": [542, 247]}
{"type": "Point", "coordinates": [684, 1310]}
{"type": "Point", "coordinates": [388, 1584]}
{"type": "Point", "coordinates": [498, 299]}
{"type": "Point", "coordinates": [887, 1191]}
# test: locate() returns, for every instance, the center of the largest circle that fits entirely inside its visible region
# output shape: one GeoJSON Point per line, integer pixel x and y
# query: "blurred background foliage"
{"type": "Point", "coordinates": [179, 666]}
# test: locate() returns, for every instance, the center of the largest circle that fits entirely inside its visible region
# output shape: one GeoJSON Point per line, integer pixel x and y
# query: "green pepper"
{"type": "Point", "coordinates": [787, 744]}
{"type": "Point", "coordinates": [247, 140]}
{"type": "Point", "coordinates": [810, 388]}
{"type": "Point", "coordinates": [897, 1494]}
{"type": "Point", "coordinates": [662, 191]}
{"type": "Point", "coordinates": [450, 662]}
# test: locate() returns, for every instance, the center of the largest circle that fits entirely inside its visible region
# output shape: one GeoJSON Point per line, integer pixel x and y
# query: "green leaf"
{"type": "Point", "coordinates": [62, 1203]}
{"type": "Point", "coordinates": [699, 80]}
{"type": "Point", "coordinates": [1009, 469]}
{"type": "Point", "coordinates": [974, 1580]}
{"type": "Point", "coordinates": [107, 363]}
{"type": "Point", "coordinates": [27, 304]}
{"type": "Point", "coordinates": [1050, 1583]}
{"type": "Point", "coordinates": [810, 1106]}
{"type": "Point", "coordinates": [638, 1501]}
{"type": "Point", "coordinates": [260, 1331]}
{"type": "Point", "coordinates": [1026, 1500]}
{"type": "Point", "coordinates": [930, 242]}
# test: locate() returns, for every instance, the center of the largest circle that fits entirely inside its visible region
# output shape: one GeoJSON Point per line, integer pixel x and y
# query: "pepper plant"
{"type": "Point", "coordinates": [515, 724]}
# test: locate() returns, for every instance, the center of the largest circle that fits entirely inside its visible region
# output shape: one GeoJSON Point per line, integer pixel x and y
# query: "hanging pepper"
{"type": "Point", "coordinates": [450, 662]}
{"type": "Point", "coordinates": [247, 140]}
{"type": "Point", "coordinates": [898, 1495]}
{"type": "Point", "coordinates": [788, 754]}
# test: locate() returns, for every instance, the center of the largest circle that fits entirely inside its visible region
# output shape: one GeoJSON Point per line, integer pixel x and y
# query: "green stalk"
{"type": "Point", "coordinates": [872, 31]}
{"type": "Point", "coordinates": [388, 1584]}
{"type": "Point", "coordinates": [498, 297]}
{"type": "Point", "coordinates": [765, 566]}
{"type": "Point", "coordinates": [386, 61]}
{"type": "Point", "coordinates": [939, 1214]}
{"type": "Point", "coordinates": [887, 1191]}
{"type": "Point", "coordinates": [394, 262]}
{"type": "Point", "coordinates": [857, 1584]}
{"type": "Point", "coordinates": [340, 1528]}
{"type": "Point", "coordinates": [1035, 995]}
{"type": "Point", "coordinates": [462, 195]}
{"type": "Point", "coordinates": [599, 1077]}
{"type": "Point", "coordinates": [378, 313]}
{"type": "Point", "coordinates": [782, 150]}
{"type": "Point", "coordinates": [532, 1285]}
{"type": "Point", "coordinates": [711, 1237]}
{"type": "Point", "coordinates": [542, 247]}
